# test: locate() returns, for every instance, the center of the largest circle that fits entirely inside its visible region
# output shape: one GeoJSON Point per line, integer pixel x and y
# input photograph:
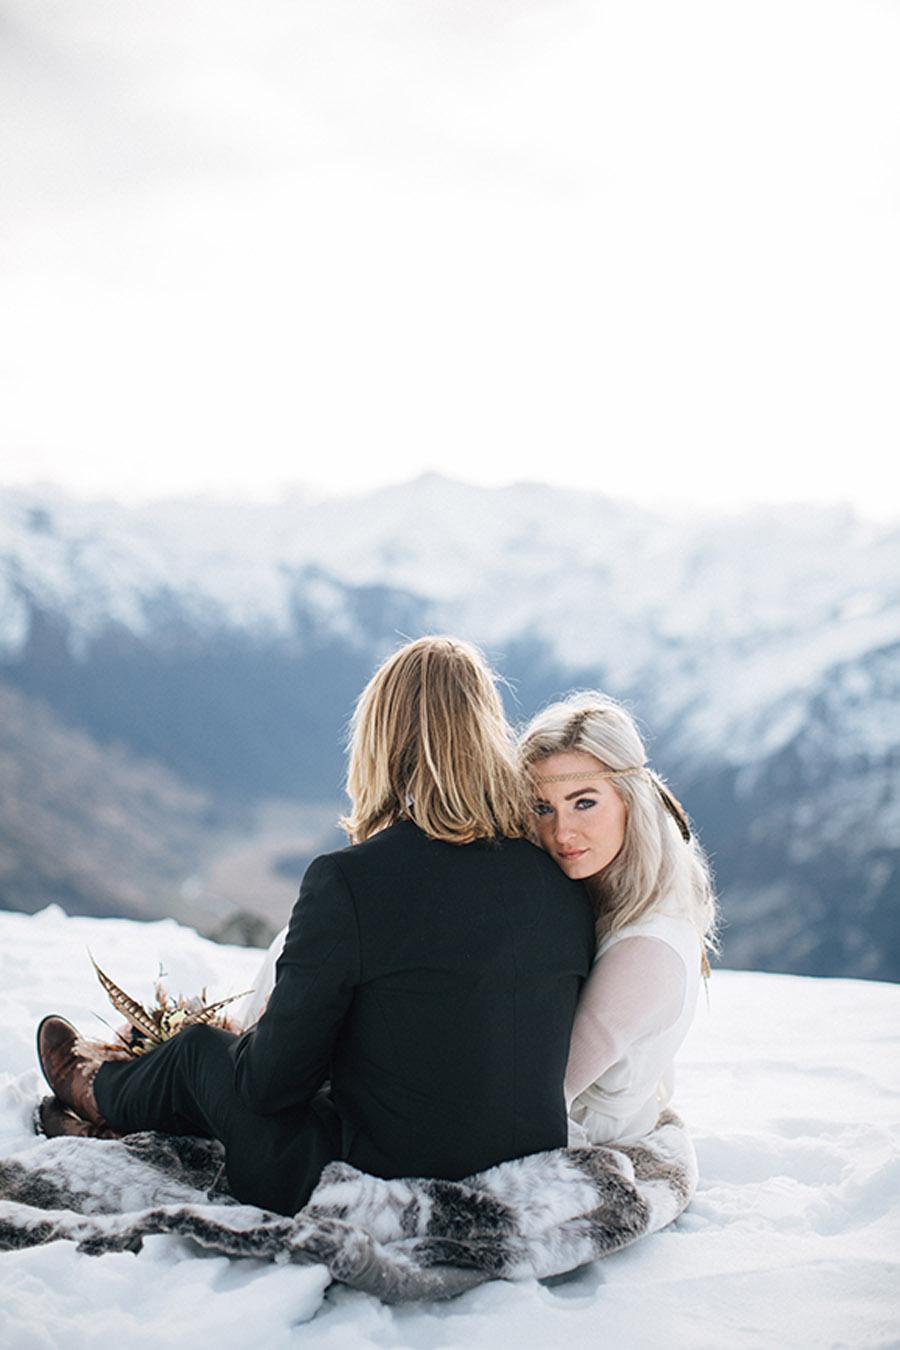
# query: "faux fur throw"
{"type": "Point", "coordinates": [400, 1240]}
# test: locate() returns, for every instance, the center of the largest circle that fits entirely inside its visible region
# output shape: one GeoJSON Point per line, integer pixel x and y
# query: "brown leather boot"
{"type": "Point", "coordinates": [68, 1069]}
{"type": "Point", "coordinates": [54, 1119]}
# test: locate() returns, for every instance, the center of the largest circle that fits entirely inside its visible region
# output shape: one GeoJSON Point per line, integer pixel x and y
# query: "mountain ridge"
{"type": "Point", "coordinates": [761, 653]}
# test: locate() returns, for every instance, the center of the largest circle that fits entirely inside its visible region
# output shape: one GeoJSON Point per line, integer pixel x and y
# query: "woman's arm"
{"type": "Point", "coordinates": [635, 989]}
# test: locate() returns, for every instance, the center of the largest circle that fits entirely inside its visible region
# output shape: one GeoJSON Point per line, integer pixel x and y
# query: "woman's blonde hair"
{"type": "Point", "coordinates": [660, 862]}
{"type": "Point", "coordinates": [429, 741]}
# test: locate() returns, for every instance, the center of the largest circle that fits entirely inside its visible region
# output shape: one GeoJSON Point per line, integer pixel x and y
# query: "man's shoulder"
{"type": "Point", "coordinates": [405, 840]}
{"type": "Point", "coordinates": [527, 855]}
{"type": "Point", "coordinates": [398, 835]}
{"type": "Point", "coordinates": [349, 859]}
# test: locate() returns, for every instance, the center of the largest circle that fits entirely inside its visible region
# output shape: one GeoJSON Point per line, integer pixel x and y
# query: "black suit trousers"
{"type": "Point", "coordinates": [186, 1086]}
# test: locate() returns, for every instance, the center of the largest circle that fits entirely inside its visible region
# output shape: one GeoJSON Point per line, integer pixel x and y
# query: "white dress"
{"type": "Point", "coordinates": [634, 1012]}
{"type": "Point", "coordinates": [251, 1009]}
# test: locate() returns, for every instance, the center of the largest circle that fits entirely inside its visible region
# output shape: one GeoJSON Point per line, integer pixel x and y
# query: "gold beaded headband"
{"type": "Point", "coordinates": [585, 777]}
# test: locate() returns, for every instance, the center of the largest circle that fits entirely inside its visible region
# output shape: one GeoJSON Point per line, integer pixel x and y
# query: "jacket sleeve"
{"type": "Point", "coordinates": [284, 1059]}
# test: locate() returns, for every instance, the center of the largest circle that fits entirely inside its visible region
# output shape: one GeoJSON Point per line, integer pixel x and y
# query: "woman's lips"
{"type": "Point", "coordinates": [576, 853]}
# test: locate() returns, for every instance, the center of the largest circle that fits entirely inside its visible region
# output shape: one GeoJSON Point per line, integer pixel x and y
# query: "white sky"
{"type": "Point", "coordinates": [648, 248]}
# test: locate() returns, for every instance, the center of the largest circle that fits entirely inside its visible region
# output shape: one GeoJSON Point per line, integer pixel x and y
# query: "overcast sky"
{"type": "Point", "coordinates": [648, 248]}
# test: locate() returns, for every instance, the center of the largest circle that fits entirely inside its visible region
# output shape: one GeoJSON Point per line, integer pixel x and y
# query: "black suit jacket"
{"type": "Point", "coordinates": [434, 985]}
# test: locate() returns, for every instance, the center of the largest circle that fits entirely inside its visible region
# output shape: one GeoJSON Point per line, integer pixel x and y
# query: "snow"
{"type": "Point", "coordinates": [792, 1088]}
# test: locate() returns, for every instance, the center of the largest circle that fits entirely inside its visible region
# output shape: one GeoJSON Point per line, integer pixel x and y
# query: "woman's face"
{"type": "Point", "coordinates": [580, 817]}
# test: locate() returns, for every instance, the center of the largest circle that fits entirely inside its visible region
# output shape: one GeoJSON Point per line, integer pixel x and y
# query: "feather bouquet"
{"type": "Point", "coordinates": [149, 1027]}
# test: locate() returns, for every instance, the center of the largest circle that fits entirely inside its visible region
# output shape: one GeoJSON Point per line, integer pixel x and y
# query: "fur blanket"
{"type": "Point", "coordinates": [400, 1240]}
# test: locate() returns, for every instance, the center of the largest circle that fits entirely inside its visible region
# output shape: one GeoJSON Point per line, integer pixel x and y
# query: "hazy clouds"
{"type": "Point", "coordinates": [643, 247]}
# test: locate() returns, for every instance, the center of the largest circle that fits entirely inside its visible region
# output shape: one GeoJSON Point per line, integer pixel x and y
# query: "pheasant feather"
{"type": "Point", "coordinates": [167, 1018]}
{"type": "Point", "coordinates": [211, 1011]}
{"type": "Point", "coordinates": [133, 1012]}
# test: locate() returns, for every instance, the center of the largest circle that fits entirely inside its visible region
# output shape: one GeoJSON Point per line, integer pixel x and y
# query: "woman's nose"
{"type": "Point", "coordinates": [563, 829]}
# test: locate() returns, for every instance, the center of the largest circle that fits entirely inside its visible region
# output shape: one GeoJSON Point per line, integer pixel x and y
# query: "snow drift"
{"type": "Point", "coordinates": [791, 1086]}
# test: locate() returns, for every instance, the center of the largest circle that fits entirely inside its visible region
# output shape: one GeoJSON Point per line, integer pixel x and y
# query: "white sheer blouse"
{"type": "Point", "coordinates": [635, 1010]}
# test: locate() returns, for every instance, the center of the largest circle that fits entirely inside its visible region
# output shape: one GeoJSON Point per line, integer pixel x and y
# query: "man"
{"type": "Point", "coordinates": [420, 1018]}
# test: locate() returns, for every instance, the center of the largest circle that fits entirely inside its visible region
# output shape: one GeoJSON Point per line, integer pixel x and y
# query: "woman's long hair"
{"type": "Point", "coordinates": [660, 863]}
{"type": "Point", "coordinates": [429, 741]}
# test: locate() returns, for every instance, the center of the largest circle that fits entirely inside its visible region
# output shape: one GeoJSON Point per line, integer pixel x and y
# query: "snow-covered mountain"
{"type": "Point", "coordinates": [792, 1239]}
{"type": "Point", "coordinates": [762, 652]}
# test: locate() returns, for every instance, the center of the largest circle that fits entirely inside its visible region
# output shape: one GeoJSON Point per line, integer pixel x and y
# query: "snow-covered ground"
{"type": "Point", "coordinates": [792, 1087]}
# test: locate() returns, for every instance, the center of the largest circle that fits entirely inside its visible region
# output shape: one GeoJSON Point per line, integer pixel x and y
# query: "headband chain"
{"type": "Point", "coordinates": [586, 777]}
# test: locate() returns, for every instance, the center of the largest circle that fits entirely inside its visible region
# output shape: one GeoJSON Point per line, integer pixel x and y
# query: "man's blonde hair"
{"type": "Point", "coordinates": [429, 742]}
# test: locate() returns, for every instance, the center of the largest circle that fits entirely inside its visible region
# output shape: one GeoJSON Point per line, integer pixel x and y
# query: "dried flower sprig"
{"type": "Point", "coordinates": [153, 1026]}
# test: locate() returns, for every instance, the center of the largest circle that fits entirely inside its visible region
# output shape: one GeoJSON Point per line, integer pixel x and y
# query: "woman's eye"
{"type": "Point", "coordinates": [541, 809]}
{"type": "Point", "coordinates": [584, 802]}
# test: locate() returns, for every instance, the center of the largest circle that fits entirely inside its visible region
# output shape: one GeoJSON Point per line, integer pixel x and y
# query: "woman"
{"type": "Point", "coordinates": [608, 820]}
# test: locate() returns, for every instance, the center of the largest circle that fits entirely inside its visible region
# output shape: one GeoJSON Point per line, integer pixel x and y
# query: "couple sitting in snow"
{"type": "Point", "coordinates": [447, 995]}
